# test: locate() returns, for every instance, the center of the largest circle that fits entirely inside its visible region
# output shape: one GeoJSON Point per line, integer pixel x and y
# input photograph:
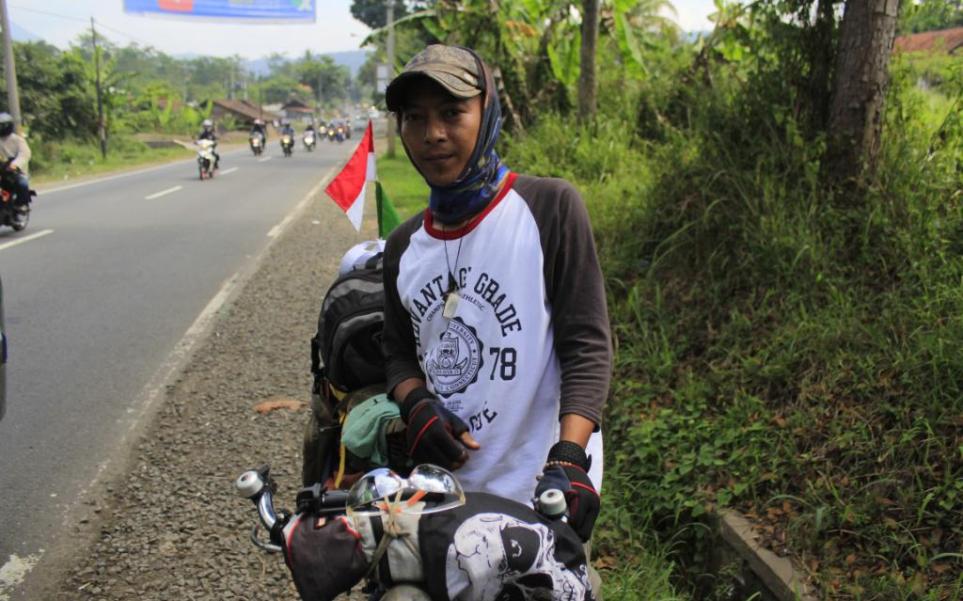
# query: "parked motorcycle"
{"type": "Point", "coordinates": [205, 159]}
{"type": "Point", "coordinates": [287, 144]}
{"type": "Point", "coordinates": [12, 214]}
{"type": "Point", "coordinates": [257, 144]}
{"type": "Point", "coordinates": [309, 141]}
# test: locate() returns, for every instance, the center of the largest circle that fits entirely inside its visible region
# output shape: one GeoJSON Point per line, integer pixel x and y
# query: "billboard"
{"type": "Point", "coordinates": [272, 11]}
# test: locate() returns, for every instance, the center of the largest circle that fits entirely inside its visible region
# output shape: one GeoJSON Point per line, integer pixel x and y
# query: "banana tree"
{"type": "Point", "coordinates": [534, 44]}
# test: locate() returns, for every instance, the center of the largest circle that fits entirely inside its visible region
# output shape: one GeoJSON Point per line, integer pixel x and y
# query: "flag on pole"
{"type": "Point", "coordinates": [388, 218]}
{"type": "Point", "coordinates": [348, 189]}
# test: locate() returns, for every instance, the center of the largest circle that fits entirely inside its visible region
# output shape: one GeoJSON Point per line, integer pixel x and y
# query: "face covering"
{"type": "Point", "coordinates": [478, 185]}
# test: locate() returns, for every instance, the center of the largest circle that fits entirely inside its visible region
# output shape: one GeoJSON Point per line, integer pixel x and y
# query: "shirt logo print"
{"type": "Point", "coordinates": [454, 363]}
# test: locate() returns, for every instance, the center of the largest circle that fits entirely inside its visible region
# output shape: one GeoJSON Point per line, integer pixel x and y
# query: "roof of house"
{"type": "Point", "coordinates": [245, 108]}
{"type": "Point", "coordinates": [949, 41]}
{"type": "Point", "coordinates": [294, 103]}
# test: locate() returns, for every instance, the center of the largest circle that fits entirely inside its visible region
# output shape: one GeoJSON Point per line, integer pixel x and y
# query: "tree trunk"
{"type": "Point", "coordinates": [586, 79]}
{"type": "Point", "coordinates": [856, 114]}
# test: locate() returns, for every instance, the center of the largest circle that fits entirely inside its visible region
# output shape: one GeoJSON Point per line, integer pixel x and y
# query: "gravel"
{"type": "Point", "coordinates": [172, 527]}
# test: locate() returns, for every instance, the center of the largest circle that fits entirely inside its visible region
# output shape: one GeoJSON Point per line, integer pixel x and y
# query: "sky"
{"type": "Point", "coordinates": [59, 22]}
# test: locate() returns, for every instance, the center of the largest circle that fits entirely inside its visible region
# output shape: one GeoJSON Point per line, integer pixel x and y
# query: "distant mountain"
{"type": "Point", "coordinates": [20, 34]}
{"type": "Point", "coordinates": [352, 59]}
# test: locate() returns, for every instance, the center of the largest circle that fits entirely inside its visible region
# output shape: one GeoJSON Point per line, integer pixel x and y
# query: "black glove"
{"type": "Point", "coordinates": [567, 470]}
{"type": "Point", "coordinates": [433, 431]}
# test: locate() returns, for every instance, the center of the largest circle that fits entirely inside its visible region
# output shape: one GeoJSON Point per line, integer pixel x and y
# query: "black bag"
{"type": "Point", "coordinates": [346, 351]}
{"type": "Point", "coordinates": [348, 367]}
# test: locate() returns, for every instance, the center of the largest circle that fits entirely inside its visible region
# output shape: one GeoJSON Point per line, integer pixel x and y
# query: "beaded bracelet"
{"type": "Point", "coordinates": [562, 464]}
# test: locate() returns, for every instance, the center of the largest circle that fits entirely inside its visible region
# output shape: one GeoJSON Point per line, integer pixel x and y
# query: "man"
{"type": "Point", "coordinates": [496, 328]}
{"type": "Point", "coordinates": [207, 133]}
{"type": "Point", "coordinates": [16, 156]}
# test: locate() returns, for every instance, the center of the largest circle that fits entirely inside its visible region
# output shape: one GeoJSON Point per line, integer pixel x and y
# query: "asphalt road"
{"type": "Point", "coordinates": [98, 292]}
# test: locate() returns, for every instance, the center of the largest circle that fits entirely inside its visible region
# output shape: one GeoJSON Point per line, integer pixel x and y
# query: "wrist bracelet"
{"type": "Point", "coordinates": [562, 464]}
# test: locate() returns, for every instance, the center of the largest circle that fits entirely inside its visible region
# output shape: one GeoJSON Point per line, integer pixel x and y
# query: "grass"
{"type": "Point", "coordinates": [64, 161]}
{"type": "Point", "coordinates": [403, 184]}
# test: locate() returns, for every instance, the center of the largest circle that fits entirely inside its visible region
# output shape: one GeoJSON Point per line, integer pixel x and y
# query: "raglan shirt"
{"type": "Point", "coordinates": [529, 339]}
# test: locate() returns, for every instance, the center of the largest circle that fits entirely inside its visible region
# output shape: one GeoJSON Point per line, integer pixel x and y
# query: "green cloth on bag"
{"type": "Point", "coordinates": [364, 429]}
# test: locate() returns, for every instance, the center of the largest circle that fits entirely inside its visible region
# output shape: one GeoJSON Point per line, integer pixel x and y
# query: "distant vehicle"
{"type": "Point", "coordinates": [287, 144]}
{"type": "Point", "coordinates": [360, 122]}
{"type": "Point", "coordinates": [15, 216]}
{"type": "Point", "coordinates": [309, 140]}
{"type": "Point", "coordinates": [3, 358]}
{"type": "Point", "coordinates": [205, 159]}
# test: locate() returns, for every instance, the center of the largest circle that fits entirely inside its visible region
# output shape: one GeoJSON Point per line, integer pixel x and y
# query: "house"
{"type": "Point", "coordinates": [242, 111]}
{"type": "Point", "coordinates": [295, 110]}
{"type": "Point", "coordinates": [949, 41]}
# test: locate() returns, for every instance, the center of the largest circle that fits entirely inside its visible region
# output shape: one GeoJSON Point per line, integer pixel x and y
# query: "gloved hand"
{"type": "Point", "coordinates": [567, 470]}
{"type": "Point", "coordinates": [434, 433]}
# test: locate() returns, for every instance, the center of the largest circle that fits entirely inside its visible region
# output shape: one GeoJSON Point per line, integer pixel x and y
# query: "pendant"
{"type": "Point", "coordinates": [451, 304]}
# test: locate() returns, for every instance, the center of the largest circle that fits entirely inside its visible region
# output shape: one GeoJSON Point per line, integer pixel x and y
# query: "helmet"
{"type": "Point", "coordinates": [359, 255]}
{"type": "Point", "coordinates": [258, 122]}
{"type": "Point", "coordinates": [6, 125]}
{"type": "Point", "coordinates": [207, 124]}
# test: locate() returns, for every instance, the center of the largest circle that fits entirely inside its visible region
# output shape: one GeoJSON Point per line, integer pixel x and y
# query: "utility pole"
{"type": "Point", "coordinates": [391, 69]}
{"type": "Point", "coordinates": [10, 69]}
{"type": "Point", "coordinates": [101, 129]}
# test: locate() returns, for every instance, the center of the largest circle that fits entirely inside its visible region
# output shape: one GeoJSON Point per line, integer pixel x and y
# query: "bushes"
{"type": "Point", "coordinates": [780, 350]}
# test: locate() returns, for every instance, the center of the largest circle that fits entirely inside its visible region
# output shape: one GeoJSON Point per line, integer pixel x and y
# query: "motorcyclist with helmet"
{"type": "Point", "coordinates": [16, 159]}
{"type": "Point", "coordinates": [208, 133]}
{"type": "Point", "coordinates": [286, 128]}
{"type": "Point", "coordinates": [258, 129]}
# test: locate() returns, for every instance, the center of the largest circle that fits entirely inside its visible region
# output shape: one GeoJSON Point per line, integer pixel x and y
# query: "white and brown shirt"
{"type": "Point", "coordinates": [529, 339]}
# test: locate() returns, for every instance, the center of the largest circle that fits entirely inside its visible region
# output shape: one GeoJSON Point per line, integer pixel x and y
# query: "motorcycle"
{"type": "Point", "coordinates": [205, 159]}
{"type": "Point", "coordinates": [287, 144]}
{"type": "Point", "coordinates": [257, 144]}
{"type": "Point", "coordinates": [378, 531]}
{"type": "Point", "coordinates": [12, 214]}
{"type": "Point", "coordinates": [331, 134]}
{"type": "Point", "coordinates": [339, 134]}
{"type": "Point", "coordinates": [309, 141]}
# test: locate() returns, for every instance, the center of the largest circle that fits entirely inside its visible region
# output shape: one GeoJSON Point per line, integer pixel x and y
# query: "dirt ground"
{"type": "Point", "coordinates": [173, 527]}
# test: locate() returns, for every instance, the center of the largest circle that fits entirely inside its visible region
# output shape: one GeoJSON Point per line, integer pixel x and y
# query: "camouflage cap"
{"type": "Point", "coordinates": [454, 68]}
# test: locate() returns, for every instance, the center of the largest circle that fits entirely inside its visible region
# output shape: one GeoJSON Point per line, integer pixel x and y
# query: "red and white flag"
{"type": "Point", "coordinates": [349, 187]}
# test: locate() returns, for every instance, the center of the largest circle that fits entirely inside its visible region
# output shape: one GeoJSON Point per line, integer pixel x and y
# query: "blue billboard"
{"type": "Point", "coordinates": [275, 11]}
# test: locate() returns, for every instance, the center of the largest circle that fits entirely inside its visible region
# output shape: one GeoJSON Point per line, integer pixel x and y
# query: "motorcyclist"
{"type": "Point", "coordinates": [208, 133]}
{"type": "Point", "coordinates": [16, 157]}
{"type": "Point", "coordinates": [287, 129]}
{"type": "Point", "coordinates": [258, 129]}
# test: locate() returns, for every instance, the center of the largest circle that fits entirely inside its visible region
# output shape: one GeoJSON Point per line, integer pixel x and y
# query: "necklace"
{"type": "Point", "coordinates": [451, 295]}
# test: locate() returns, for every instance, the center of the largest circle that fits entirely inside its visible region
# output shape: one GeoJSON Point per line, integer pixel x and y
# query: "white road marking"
{"type": "Point", "coordinates": [163, 193]}
{"type": "Point", "coordinates": [264, 159]}
{"type": "Point", "coordinates": [39, 234]}
{"type": "Point", "coordinates": [231, 170]}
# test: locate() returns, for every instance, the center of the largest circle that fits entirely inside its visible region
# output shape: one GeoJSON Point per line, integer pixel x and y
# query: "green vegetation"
{"type": "Point", "coordinates": [404, 185]}
{"type": "Point", "coordinates": [145, 91]}
{"type": "Point", "coordinates": [927, 15]}
{"type": "Point", "coordinates": [785, 347]}
{"type": "Point", "coordinates": [68, 160]}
